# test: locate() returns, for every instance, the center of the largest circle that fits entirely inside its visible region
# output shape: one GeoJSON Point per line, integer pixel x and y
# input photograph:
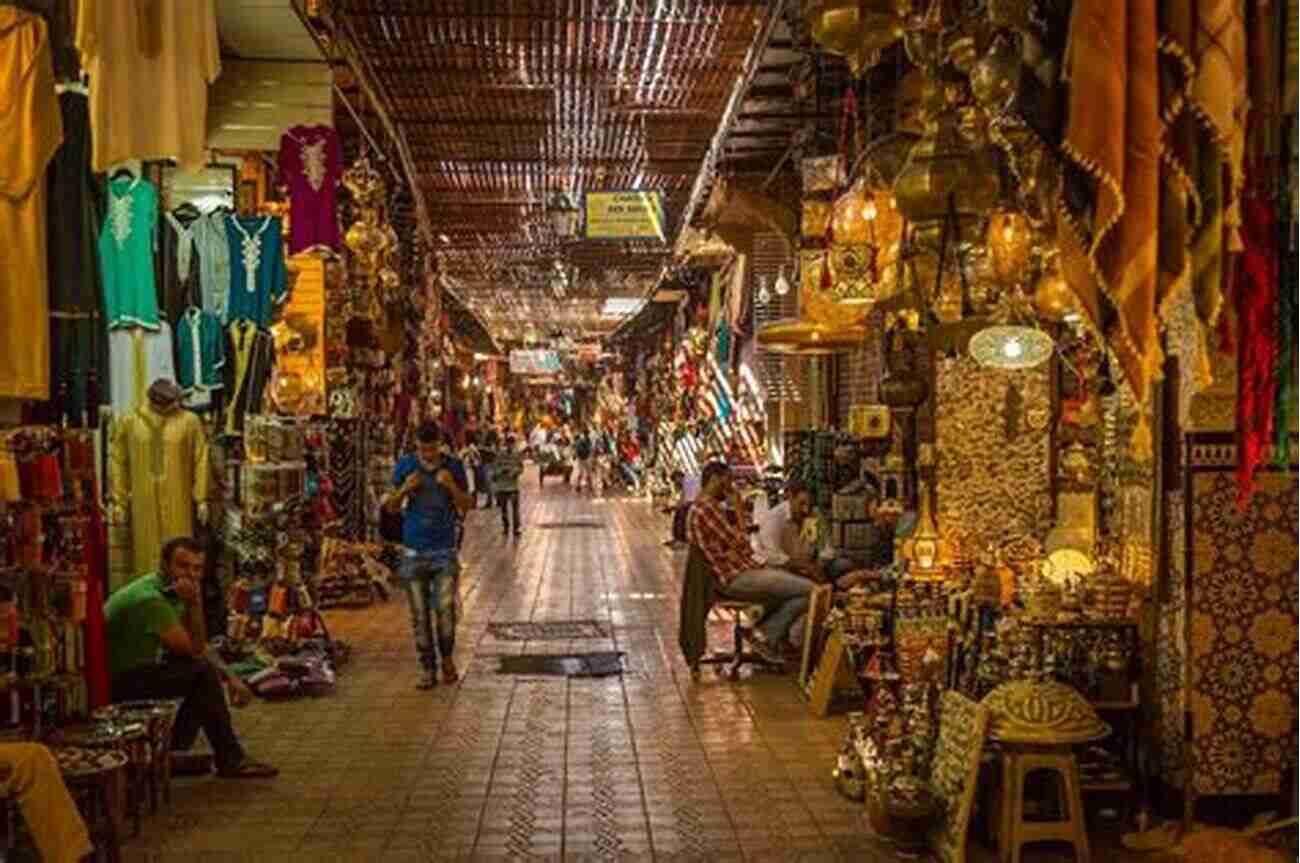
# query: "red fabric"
{"type": "Point", "coordinates": [96, 577]}
{"type": "Point", "coordinates": [1256, 303]}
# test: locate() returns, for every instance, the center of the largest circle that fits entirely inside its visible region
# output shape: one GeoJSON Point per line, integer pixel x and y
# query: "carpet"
{"type": "Point", "coordinates": [549, 630]}
{"type": "Point", "coordinates": [563, 665]}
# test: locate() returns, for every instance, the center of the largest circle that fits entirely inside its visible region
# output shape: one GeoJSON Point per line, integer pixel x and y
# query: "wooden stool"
{"type": "Point", "coordinates": [1016, 831]}
{"type": "Point", "coordinates": [96, 780]}
{"type": "Point", "coordinates": [733, 661]}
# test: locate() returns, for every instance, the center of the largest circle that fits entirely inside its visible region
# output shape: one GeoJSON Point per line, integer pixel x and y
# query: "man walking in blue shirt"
{"type": "Point", "coordinates": [430, 492]}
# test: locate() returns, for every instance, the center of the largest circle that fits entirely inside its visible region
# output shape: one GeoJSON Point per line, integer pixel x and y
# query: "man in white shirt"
{"type": "Point", "coordinates": [779, 541]}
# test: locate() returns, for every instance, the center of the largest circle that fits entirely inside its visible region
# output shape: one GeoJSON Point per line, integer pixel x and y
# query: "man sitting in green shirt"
{"type": "Point", "coordinates": [157, 648]}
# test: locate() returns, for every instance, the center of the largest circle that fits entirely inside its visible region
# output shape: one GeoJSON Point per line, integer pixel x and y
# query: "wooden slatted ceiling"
{"type": "Point", "coordinates": [505, 102]}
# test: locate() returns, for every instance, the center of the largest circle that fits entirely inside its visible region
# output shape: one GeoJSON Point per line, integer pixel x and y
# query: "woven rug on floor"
{"type": "Point", "coordinates": [563, 664]}
{"type": "Point", "coordinates": [549, 630]}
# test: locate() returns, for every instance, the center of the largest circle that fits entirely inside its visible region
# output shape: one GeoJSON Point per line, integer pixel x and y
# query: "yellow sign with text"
{"type": "Point", "coordinates": [625, 216]}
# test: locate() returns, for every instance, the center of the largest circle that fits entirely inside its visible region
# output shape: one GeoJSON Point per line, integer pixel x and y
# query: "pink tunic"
{"type": "Point", "coordinates": [310, 163]}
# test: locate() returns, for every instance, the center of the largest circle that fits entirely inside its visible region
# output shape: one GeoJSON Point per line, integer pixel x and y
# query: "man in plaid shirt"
{"type": "Point", "coordinates": [725, 544]}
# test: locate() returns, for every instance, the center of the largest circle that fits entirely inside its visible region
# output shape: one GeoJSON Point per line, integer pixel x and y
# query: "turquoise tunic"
{"type": "Point", "coordinates": [257, 244]}
{"type": "Point", "coordinates": [126, 245]}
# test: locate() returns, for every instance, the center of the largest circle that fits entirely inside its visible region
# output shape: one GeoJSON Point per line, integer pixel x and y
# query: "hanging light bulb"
{"type": "Point", "coordinates": [764, 295]}
{"type": "Point", "coordinates": [782, 283]}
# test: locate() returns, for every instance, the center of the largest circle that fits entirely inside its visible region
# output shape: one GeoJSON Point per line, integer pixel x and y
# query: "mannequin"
{"type": "Point", "coordinates": [159, 473]}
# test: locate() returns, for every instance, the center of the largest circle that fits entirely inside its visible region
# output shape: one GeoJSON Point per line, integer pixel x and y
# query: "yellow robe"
{"type": "Point", "coordinates": [31, 127]}
{"type": "Point", "coordinates": [159, 471]}
{"type": "Point", "coordinates": [150, 64]}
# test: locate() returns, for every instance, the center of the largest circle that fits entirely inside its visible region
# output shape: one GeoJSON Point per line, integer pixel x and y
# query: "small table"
{"type": "Point", "coordinates": [159, 718]}
{"type": "Point", "coordinates": [96, 779]}
{"type": "Point", "coordinates": [130, 739]}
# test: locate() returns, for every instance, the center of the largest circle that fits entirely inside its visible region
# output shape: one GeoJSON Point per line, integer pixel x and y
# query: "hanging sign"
{"type": "Point", "coordinates": [625, 216]}
{"type": "Point", "coordinates": [534, 362]}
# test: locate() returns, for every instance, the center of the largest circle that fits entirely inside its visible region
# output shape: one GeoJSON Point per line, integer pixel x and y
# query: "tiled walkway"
{"type": "Point", "coordinates": [646, 766]}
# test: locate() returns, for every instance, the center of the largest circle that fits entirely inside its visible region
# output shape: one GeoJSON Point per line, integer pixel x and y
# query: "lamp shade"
{"type": "Point", "coordinates": [1011, 347]}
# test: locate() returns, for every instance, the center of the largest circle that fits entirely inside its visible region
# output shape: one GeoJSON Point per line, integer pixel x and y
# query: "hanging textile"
{"type": "Point", "coordinates": [150, 65]}
{"type": "Point", "coordinates": [200, 357]}
{"type": "Point", "coordinates": [77, 342]}
{"type": "Point", "coordinates": [31, 127]}
{"type": "Point", "coordinates": [138, 358]}
{"type": "Point", "coordinates": [723, 346]}
{"type": "Point", "coordinates": [259, 280]}
{"type": "Point", "coordinates": [213, 246]}
{"type": "Point", "coordinates": [177, 262]}
{"type": "Point", "coordinates": [159, 470]}
{"type": "Point", "coordinates": [248, 367]}
{"type": "Point", "coordinates": [1256, 305]}
{"type": "Point", "coordinates": [126, 244]}
{"type": "Point", "coordinates": [1113, 136]}
{"type": "Point", "coordinates": [310, 163]}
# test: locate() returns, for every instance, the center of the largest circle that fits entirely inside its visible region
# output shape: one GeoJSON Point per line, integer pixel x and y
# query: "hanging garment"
{"type": "Point", "coordinates": [213, 247]}
{"type": "Point", "coordinates": [178, 262]}
{"type": "Point", "coordinates": [200, 357]}
{"type": "Point", "coordinates": [126, 253]}
{"type": "Point", "coordinates": [138, 358]}
{"type": "Point", "coordinates": [74, 214]}
{"type": "Point", "coordinates": [150, 64]}
{"type": "Point", "coordinates": [251, 360]}
{"type": "Point", "coordinates": [159, 470]}
{"type": "Point", "coordinates": [259, 279]}
{"type": "Point", "coordinates": [310, 163]}
{"type": "Point", "coordinates": [31, 127]}
{"type": "Point", "coordinates": [78, 347]}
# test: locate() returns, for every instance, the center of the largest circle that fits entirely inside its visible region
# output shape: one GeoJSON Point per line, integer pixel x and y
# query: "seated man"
{"type": "Point", "coordinates": [725, 544]}
{"type": "Point", "coordinates": [161, 613]}
{"type": "Point", "coordinates": [30, 776]}
{"type": "Point", "coordinates": [888, 525]}
{"type": "Point", "coordinates": [779, 542]}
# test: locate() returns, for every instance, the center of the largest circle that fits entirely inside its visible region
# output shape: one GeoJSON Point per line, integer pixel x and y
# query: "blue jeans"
{"type": "Point", "coordinates": [784, 598]}
{"type": "Point", "coordinates": [433, 598]}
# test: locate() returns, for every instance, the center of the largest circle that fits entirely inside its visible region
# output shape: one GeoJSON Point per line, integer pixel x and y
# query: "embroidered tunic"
{"type": "Point", "coordinates": [178, 263]}
{"type": "Point", "coordinates": [213, 246]}
{"type": "Point", "coordinates": [259, 279]}
{"type": "Point", "coordinates": [200, 356]}
{"type": "Point", "coordinates": [252, 355]}
{"type": "Point", "coordinates": [310, 163]}
{"type": "Point", "coordinates": [126, 253]}
{"type": "Point", "coordinates": [32, 129]}
{"type": "Point", "coordinates": [159, 470]}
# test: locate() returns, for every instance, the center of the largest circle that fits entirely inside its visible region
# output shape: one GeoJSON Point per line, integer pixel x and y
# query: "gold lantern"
{"type": "Point", "coordinates": [867, 229]}
{"type": "Point", "coordinates": [1010, 241]}
{"type": "Point", "coordinates": [857, 30]}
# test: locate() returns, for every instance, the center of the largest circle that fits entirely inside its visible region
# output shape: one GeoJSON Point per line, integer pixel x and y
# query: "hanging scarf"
{"type": "Point", "coordinates": [1113, 136]}
{"type": "Point", "coordinates": [724, 345]}
{"type": "Point", "coordinates": [1286, 373]}
{"type": "Point", "coordinates": [1257, 348]}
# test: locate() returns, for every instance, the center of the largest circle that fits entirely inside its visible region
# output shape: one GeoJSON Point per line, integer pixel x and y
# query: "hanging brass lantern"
{"type": "Point", "coordinates": [866, 230]}
{"type": "Point", "coordinates": [857, 30]}
{"type": "Point", "coordinates": [1010, 240]}
{"type": "Point", "coordinates": [945, 180]}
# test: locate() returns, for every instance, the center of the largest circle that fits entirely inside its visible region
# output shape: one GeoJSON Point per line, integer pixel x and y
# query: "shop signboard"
{"type": "Point", "coordinates": [625, 215]}
{"type": "Point", "coordinates": [534, 362]}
